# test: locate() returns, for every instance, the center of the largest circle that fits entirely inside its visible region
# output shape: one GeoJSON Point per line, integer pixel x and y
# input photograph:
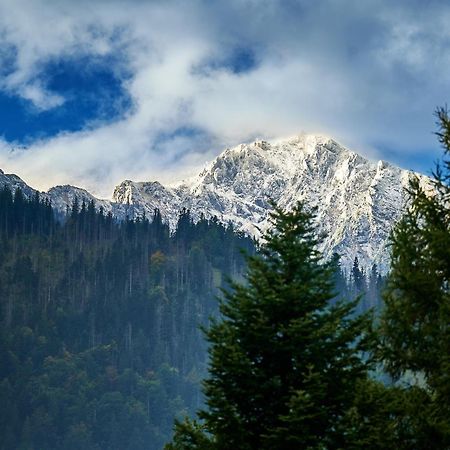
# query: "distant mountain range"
{"type": "Point", "coordinates": [357, 200]}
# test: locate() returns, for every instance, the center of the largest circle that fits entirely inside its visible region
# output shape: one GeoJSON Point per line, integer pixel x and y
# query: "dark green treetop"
{"type": "Point", "coordinates": [415, 326]}
{"type": "Point", "coordinates": [284, 358]}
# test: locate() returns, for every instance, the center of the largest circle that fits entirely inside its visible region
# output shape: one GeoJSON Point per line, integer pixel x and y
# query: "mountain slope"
{"type": "Point", "coordinates": [63, 197]}
{"type": "Point", "coordinates": [357, 200]}
{"type": "Point", "coordinates": [14, 182]}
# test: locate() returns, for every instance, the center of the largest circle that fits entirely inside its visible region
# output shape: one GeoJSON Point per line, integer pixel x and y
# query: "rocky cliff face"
{"type": "Point", "coordinates": [357, 200]}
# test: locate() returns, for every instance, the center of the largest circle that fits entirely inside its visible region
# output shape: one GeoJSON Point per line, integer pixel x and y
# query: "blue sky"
{"type": "Point", "coordinates": [94, 92]}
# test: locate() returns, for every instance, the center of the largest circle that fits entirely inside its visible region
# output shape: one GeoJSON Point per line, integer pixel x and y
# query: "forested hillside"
{"type": "Point", "coordinates": [100, 346]}
{"type": "Point", "coordinates": [293, 367]}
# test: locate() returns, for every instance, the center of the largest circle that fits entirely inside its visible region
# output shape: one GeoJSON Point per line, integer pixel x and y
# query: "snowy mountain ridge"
{"type": "Point", "coordinates": [357, 200]}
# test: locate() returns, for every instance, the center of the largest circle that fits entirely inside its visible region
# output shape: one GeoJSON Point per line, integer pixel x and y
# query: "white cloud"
{"type": "Point", "coordinates": [40, 98]}
{"type": "Point", "coordinates": [367, 76]}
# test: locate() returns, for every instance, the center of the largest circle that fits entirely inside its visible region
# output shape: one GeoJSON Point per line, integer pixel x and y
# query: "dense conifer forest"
{"type": "Point", "coordinates": [100, 346]}
{"type": "Point", "coordinates": [293, 367]}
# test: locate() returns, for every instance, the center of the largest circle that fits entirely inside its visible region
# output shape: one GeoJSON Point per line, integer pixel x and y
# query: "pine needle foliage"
{"type": "Point", "coordinates": [415, 325]}
{"type": "Point", "coordinates": [285, 356]}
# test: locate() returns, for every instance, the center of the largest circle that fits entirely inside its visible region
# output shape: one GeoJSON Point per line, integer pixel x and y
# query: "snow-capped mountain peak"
{"type": "Point", "coordinates": [357, 200]}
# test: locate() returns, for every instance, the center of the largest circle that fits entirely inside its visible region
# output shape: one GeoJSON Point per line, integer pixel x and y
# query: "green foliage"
{"type": "Point", "coordinates": [190, 434]}
{"type": "Point", "coordinates": [286, 356]}
{"type": "Point", "coordinates": [99, 341]}
{"type": "Point", "coordinates": [415, 327]}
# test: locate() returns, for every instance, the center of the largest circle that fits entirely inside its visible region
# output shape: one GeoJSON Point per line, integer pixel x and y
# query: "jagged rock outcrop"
{"type": "Point", "coordinates": [357, 200]}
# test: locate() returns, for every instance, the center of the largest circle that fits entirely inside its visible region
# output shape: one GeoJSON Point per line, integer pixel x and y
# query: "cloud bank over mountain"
{"type": "Point", "coordinates": [151, 90]}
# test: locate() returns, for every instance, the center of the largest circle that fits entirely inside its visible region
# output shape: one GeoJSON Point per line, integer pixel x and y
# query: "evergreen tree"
{"type": "Point", "coordinates": [99, 345]}
{"type": "Point", "coordinates": [415, 324]}
{"type": "Point", "coordinates": [374, 287]}
{"type": "Point", "coordinates": [285, 358]}
{"type": "Point", "coordinates": [358, 285]}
